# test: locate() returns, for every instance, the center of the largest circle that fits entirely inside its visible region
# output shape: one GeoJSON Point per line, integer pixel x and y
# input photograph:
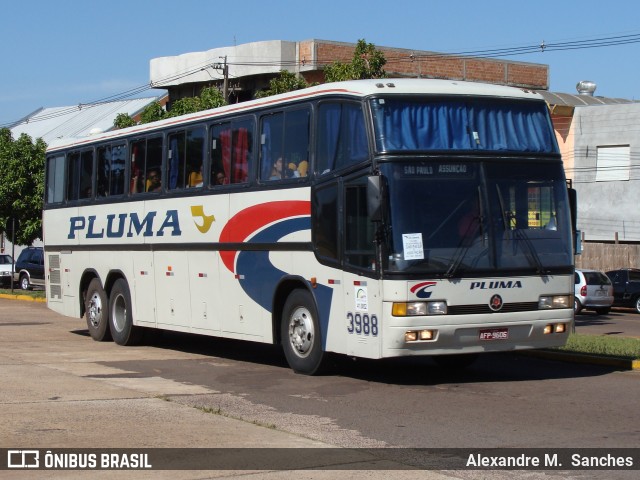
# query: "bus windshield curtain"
{"type": "Point", "coordinates": [454, 125]}
{"type": "Point", "coordinates": [175, 160]}
{"type": "Point", "coordinates": [343, 137]}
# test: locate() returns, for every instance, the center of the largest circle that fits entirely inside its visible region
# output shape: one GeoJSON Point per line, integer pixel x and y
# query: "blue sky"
{"type": "Point", "coordinates": [64, 52]}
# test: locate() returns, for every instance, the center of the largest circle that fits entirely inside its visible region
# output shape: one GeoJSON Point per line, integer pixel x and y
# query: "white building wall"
{"type": "Point", "coordinates": [274, 56]}
{"type": "Point", "coordinates": [608, 199]}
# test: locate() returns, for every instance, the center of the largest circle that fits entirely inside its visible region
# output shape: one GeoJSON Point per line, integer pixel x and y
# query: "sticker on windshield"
{"type": "Point", "coordinates": [412, 246]}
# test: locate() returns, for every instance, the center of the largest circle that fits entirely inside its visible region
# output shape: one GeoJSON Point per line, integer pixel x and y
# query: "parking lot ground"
{"type": "Point", "coordinates": [56, 393]}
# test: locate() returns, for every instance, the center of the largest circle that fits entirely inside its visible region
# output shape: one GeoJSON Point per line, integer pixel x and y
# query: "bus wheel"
{"type": "Point", "coordinates": [97, 311]}
{"type": "Point", "coordinates": [121, 319]}
{"type": "Point", "coordinates": [300, 333]}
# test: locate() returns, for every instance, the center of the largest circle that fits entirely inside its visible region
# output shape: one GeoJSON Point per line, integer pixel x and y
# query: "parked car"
{"type": "Point", "coordinates": [6, 270]}
{"type": "Point", "coordinates": [593, 291]}
{"type": "Point", "coordinates": [626, 287]}
{"type": "Point", "coordinates": [30, 268]}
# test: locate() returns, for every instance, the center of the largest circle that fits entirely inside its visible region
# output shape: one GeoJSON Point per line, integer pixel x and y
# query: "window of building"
{"type": "Point", "coordinates": [613, 163]}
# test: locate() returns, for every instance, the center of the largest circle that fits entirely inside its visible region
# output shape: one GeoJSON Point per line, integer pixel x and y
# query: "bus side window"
{"type": "Point", "coordinates": [146, 165]}
{"type": "Point", "coordinates": [176, 160]}
{"type": "Point", "coordinates": [220, 153]}
{"type": "Point", "coordinates": [194, 165]}
{"type": "Point", "coordinates": [284, 145]}
{"type": "Point", "coordinates": [358, 240]}
{"type": "Point", "coordinates": [110, 174]}
{"type": "Point", "coordinates": [86, 174]}
{"type": "Point", "coordinates": [342, 138]}
{"type": "Point", "coordinates": [55, 179]}
{"type": "Point", "coordinates": [231, 152]}
{"type": "Point", "coordinates": [272, 159]}
{"type": "Point", "coordinates": [73, 177]}
{"type": "Point", "coordinates": [138, 154]}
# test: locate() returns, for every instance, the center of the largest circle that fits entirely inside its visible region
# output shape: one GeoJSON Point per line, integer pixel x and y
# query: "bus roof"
{"type": "Point", "coordinates": [355, 88]}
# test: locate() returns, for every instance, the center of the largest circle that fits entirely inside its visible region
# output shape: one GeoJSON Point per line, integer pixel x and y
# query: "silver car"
{"type": "Point", "coordinates": [6, 270]}
{"type": "Point", "coordinates": [593, 291]}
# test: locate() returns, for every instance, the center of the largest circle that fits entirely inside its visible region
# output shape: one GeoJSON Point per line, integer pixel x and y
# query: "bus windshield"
{"type": "Point", "coordinates": [463, 124]}
{"type": "Point", "coordinates": [462, 217]}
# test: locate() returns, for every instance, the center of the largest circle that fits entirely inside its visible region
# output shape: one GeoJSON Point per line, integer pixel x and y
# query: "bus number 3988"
{"type": "Point", "coordinates": [362, 324]}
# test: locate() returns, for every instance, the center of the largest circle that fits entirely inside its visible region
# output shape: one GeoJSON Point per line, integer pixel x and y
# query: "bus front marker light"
{"type": "Point", "coordinates": [410, 336]}
{"type": "Point", "coordinates": [427, 334]}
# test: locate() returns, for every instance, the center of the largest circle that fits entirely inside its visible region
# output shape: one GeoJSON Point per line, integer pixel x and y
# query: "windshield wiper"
{"type": "Point", "coordinates": [519, 234]}
{"type": "Point", "coordinates": [468, 237]}
{"type": "Point", "coordinates": [530, 252]}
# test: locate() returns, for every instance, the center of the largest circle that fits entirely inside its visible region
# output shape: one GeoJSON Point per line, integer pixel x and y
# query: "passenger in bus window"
{"type": "Point", "coordinates": [154, 182]}
{"type": "Point", "coordinates": [220, 178]}
{"type": "Point", "coordinates": [297, 171]}
{"type": "Point", "coordinates": [196, 179]}
{"type": "Point", "coordinates": [276, 171]}
{"type": "Point", "coordinates": [303, 168]}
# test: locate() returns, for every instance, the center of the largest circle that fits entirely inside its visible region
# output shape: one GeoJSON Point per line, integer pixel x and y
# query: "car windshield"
{"type": "Point", "coordinates": [5, 260]}
{"type": "Point", "coordinates": [596, 278]}
{"type": "Point", "coordinates": [454, 217]}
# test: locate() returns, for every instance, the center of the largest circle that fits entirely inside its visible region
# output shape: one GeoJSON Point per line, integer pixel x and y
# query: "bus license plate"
{"type": "Point", "coordinates": [494, 334]}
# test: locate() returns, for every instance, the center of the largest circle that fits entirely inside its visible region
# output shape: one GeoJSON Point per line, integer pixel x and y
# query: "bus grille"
{"type": "Point", "coordinates": [483, 309]}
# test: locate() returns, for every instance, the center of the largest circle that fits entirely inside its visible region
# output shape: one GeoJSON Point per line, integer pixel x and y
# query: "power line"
{"type": "Point", "coordinates": [486, 53]}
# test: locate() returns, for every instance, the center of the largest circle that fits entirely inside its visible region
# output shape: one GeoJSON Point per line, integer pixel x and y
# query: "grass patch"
{"type": "Point", "coordinates": [620, 347]}
{"type": "Point", "coordinates": [36, 293]}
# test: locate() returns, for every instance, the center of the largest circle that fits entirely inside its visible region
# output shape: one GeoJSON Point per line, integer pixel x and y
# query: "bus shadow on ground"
{"type": "Point", "coordinates": [423, 370]}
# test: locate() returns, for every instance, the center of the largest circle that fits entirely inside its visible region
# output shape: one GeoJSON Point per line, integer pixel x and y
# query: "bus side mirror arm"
{"type": "Point", "coordinates": [374, 203]}
{"type": "Point", "coordinates": [573, 208]}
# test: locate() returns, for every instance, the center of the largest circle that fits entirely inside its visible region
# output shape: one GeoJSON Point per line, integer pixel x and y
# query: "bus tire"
{"type": "Point", "coordinates": [300, 334]}
{"type": "Point", "coordinates": [121, 318]}
{"type": "Point", "coordinates": [96, 311]}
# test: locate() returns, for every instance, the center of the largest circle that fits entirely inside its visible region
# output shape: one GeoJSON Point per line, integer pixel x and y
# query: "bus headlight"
{"type": "Point", "coordinates": [554, 301]}
{"type": "Point", "coordinates": [414, 309]}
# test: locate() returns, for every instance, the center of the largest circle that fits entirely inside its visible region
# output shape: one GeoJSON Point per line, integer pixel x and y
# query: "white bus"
{"type": "Point", "coordinates": [374, 219]}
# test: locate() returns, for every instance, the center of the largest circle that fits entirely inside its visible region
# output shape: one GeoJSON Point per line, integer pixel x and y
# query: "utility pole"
{"type": "Point", "coordinates": [225, 72]}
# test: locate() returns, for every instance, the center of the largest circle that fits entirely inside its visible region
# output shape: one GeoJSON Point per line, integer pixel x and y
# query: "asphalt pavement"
{"type": "Point", "coordinates": [56, 393]}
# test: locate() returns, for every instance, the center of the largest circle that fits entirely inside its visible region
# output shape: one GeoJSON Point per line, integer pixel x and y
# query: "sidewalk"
{"type": "Point", "coordinates": [56, 393]}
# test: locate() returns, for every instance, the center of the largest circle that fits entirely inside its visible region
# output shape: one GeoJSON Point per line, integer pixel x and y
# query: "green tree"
{"type": "Point", "coordinates": [152, 112]}
{"type": "Point", "coordinates": [211, 97]}
{"type": "Point", "coordinates": [123, 120]}
{"type": "Point", "coordinates": [367, 62]}
{"type": "Point", "coordinates": [22, 184]}
{"type": "Point", "coordinates": [285, 82]}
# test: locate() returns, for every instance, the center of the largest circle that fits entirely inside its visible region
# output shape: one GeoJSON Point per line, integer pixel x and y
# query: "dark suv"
{"type": "Point", "coordinates": [626, 287]}
{"type": "Point", "coordinates": [30, 268]}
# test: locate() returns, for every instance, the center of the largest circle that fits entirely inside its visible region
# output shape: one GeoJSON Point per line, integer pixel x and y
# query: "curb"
{"type": "Point", "coordinates": [623, 363]}
{"type": "Point", "coordinates": [22, 297]}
